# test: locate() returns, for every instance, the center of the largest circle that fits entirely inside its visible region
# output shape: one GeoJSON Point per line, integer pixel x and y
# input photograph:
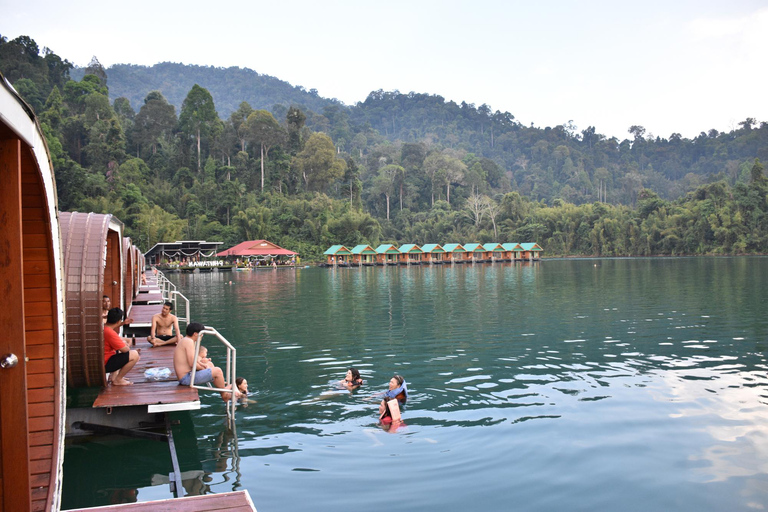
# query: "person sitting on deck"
{"type": "Point", "coordinates": [352, 380]}
{"type": "Point", "coordinates": [143, 278]}
{"type": "Point", "coordinates": [117, 356]}
{"type": "Point", "coordinates": [184, 358]}
{"type": "Point", "coordinates": [398, 389]}
{"type": "Point", "coordinates": [164, 324]}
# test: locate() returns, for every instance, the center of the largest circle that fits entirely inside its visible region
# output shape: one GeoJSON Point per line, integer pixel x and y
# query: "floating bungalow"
{"type": "Point", "coordinates": [493, 252]}
{"type": "Point", "coordinates": [387, 254]}
{"type": "Point", "coordinates": [363, 255]}
{"type": "Point", "coordinates": [474, 253]}
{"type": "Point", "coordinates": [511, 250]}
{"type": "Point", "coordinates": [32, 370]}
{"type": "Point", "coordinates": [338, 255]}
{"type": "Point", "coordinates": [433, 254]}
{"type": "Point", "coordinates": [454, 252]}
{"type": "Point", "coordinates": [530, 251]}
{"type": "Point", "coordinates": [94, 267]}
{"type": "Point", "coordinates": [410, 254]}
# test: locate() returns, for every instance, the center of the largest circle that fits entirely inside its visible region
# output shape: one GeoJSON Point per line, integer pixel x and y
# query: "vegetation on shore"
{"type": "Point", "coordinates": [399, 168]}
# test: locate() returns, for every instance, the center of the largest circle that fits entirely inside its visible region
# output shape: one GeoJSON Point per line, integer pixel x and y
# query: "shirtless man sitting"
{"type": "Point", "coordinates": [205, 371]}
{"type": "Point", "coordinates": [164, 324]}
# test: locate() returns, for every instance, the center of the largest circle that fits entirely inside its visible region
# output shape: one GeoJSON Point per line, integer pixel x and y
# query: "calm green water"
{"type": "Point", "coordinates": [633, 384]}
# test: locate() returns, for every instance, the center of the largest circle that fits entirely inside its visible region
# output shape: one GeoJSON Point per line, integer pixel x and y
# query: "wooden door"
{"type": "Point", "coordinates": [14, 443]}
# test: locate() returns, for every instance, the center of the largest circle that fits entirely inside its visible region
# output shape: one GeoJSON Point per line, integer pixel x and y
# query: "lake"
{"type": "Point", "coordinates": [584, 384]}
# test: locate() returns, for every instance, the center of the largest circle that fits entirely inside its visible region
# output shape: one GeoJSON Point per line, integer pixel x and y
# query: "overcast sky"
{"type": "Point", "coordinates": [670, 66]}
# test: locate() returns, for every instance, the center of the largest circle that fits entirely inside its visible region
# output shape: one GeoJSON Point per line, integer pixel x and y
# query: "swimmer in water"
{"type": "Point", "coordinates": [352, 380]}
{"type": "Point", "coordinates": [397, 390]}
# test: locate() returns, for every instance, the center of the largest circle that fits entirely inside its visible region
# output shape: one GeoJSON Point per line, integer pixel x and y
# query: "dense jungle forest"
{"type": "Point", "coordinates": [193, 152]}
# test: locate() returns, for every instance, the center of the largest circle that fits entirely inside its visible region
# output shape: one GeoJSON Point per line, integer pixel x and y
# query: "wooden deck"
{"type": "Point", "coordinates": [158, 396]}
{"type": "Point", "coordinates": [238, 501]}
{"type": "Point", "coordinates": [142, 314]}
{"type": "Point", "coordinates": [148, 296]}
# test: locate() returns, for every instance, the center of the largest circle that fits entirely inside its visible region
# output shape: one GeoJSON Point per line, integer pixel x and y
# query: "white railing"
{"type": "Point", "coordinates": [230, 371]}
{"type": "Point", "coordinates": [175, 294]}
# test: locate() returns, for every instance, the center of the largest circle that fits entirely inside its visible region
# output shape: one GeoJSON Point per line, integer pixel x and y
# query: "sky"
{"type": "Point", "coordinates": [669, 66]}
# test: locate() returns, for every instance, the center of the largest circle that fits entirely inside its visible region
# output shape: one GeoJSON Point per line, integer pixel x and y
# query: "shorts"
{"type": "Point", "coordinates": [117, 361]}
{"type": "Point", "coordinates": [165, 337]}
{"type": "Point", "coordinates": [201, 377]}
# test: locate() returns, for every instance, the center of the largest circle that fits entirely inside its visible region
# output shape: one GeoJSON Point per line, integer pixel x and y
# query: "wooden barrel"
{"type": "Point", "coordinates": [93, 256]}
{"type": "Point", "coordinates": [32, 315]}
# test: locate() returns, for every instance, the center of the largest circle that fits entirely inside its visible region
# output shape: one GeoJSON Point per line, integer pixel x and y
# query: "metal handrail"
{"type": "Point", "coordinates": [173, 295]}
{"type": "Point", "coordinates": [231, 369]}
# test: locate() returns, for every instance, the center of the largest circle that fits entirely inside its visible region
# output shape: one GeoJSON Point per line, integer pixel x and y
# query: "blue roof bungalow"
{"type": "Point", "coordinates": [387, 254]}
{"type": "Point", "coordinates": [337, 255]}
{"type": "Point", "coordinates": [454, 253]}
{"type": "Point", "coordinates": [433, 254]}
{"type": "Point", "coordinates": [511, 250]}
{"type": "Point", "coordinates": [474, 253]}
{"type": "Point", "coordinates": [410, 254]}
{"type": "Point", "coordinates": [531, 251]}
{"type": "Point", "coordinates": [363, 255]}
{"type": "Point", "coordinates": [493, 252]}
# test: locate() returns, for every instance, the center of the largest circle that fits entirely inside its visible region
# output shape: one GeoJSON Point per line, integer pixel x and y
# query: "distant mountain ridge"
{"type": "Point", "coordinates": [228, 86]}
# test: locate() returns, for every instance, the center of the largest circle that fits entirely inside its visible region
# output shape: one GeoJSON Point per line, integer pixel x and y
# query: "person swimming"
{"type": "Point", "coordinates": [352, 380]}
{"type": "Point", "coordinates": [398, 390]}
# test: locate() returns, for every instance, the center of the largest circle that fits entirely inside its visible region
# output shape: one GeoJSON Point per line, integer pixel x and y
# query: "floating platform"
{"type": "Point", "coordinates": [238, 501]}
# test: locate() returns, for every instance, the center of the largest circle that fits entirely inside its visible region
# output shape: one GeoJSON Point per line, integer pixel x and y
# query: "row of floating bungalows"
{"type": "Point", "coordinates": [431, 254]}
{"type": "Point", "coordinates": [54, 269]}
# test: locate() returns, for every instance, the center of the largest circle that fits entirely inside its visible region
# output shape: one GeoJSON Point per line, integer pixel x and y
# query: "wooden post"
{"type": "Point", "coordinates": [14, 426]}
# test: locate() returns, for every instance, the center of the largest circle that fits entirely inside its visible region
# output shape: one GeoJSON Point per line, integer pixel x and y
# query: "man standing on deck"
{"type": "Point", "coordinates": [117, 356]}
{"type": "Point", "coordinates": [164, 324]}
{"type": "Point", "coordinates": [184, 358]}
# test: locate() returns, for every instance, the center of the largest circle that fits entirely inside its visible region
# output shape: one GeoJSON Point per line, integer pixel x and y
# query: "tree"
{"type": "Point", "coordinates": [384, 183]}
{"type": "Point", "coordinates": [263, 129]}
{"type": "Point", "coordinates": [155, 118]}
{"type": "Point", "coordinates": [198, 116]}
{"type": "Point", "coordinates": [238, 119]}
{"type": "Point", "coordinates": [317, 163]}
{"type": "Point", "coordinates": [295, 119]}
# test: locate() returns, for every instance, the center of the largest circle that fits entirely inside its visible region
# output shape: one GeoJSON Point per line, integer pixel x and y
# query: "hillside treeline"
{"type": "Point", "coordinates": [395, 168]}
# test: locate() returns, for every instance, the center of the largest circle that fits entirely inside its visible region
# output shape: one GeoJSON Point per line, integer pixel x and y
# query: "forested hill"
{"type": "Point", "coordinates": [228, 86]}
{"type": "Point", "coordinates": [307, 172]}
{"type": "Point", "coordinates": [577, 165]}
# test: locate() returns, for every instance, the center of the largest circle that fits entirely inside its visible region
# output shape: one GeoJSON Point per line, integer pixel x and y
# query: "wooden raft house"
{"type": "Point", "coordinates": [337, 256]}
{"type": "Point", "coordinates": [410, 254]}
{"type": "Point", "coordinates": [363, 255]}
{"type": "Point", "coordinates": [433, 254]}
{"type": "Point", "coordinates": [454, 252]}
{"type": "Point", "coordinates": [387, 254]}
{"type": "Point", "coordinates": [32, 376]}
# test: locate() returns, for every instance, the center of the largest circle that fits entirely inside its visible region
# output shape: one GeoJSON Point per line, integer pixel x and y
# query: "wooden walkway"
{"type": "Point", "coordinates": [238, 501]}
{"type": "Point", "coordinates": [159, 396]}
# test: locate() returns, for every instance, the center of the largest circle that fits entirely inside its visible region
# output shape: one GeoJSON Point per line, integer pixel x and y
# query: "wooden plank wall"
{"type": "Point", "coordinates": [42, 333]}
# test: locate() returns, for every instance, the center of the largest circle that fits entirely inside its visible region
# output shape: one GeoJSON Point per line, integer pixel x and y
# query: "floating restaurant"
{"type": "Point", "coordinates": [431, 254]}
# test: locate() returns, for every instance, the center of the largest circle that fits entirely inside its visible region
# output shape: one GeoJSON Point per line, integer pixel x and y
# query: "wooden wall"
{"type": "Point", "coordinates": [30, 405]}
{"type": "Point", "coordinates": [42, 333]}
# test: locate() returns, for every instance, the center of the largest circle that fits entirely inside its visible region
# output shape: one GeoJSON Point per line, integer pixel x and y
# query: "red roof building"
{"type": "Point", "coordinates": [261, 248]}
